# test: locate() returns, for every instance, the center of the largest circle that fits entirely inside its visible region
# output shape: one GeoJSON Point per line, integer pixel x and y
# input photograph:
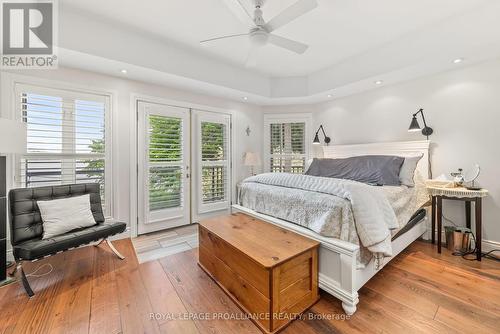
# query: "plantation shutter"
{"type": "Point", "coordinates": [66, 138]}
{"type": "Point", "coordinates": [287, 151]}
{"type": "Point", "coordinates": [165, 162]}
{"type": "Point", "coordinates": [213, 151]}
{"type": "Point", "coordinates": [163, 166]}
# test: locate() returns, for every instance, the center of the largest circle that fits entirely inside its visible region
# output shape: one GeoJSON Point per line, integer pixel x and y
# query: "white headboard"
{"type": "Point", "coordinates": [395, 148]}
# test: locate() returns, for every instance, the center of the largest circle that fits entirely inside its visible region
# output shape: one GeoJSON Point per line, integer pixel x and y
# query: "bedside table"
{"type": "Point", "coordinates": [457, 194]}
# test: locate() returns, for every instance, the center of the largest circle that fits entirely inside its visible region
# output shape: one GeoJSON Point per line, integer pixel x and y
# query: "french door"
{"type": "Point", "coordinates": [211, 154]}
{"type": "Point", "coordinates": [163, 167]}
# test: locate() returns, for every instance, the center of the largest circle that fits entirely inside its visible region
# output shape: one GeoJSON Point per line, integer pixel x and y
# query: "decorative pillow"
{"type": "Point", "coordinates": [372, 169]}
{"type": "Point", "coordinates": [63, 215]}
{"type": "Point", "coordinates": [308, 164]}
{"type": "Point", "coordinates": [408, 168]}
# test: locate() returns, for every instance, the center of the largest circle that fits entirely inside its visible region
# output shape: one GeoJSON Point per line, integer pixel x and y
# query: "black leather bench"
{"type": "Point", "coordinates": [26, 227]}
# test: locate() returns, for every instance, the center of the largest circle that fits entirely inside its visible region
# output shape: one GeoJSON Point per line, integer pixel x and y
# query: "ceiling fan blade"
{"type": "Point", "coordinates": [222, 37]}
{"type": "Point", "coordinates": [238, 8]}
{"type": "Point", "coordinates": [252, 57]}
{"type": "Point", "coordinates": [288, 44]}
{"type": "Point", "coordinates": [291, 13]}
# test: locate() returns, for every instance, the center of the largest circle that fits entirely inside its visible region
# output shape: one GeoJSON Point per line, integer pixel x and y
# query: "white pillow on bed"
{"type": "Point", "coordinates": [407, 171]}
{"type": "Point", "coordinates": [307, 165]}
{"type": "Point", "coordinates": [63, 215]}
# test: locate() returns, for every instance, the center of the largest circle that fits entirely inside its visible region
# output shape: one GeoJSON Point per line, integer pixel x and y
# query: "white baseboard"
{"type": "Point", "coordinates": [489, 245]}
{"type": "Point", "coordinates": [124, 235]}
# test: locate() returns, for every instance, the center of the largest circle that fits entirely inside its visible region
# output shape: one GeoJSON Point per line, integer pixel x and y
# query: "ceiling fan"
{"type": "Point", "coordinates": [260, 32]}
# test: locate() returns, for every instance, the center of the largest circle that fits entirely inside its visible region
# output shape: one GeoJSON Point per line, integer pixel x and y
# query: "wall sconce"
{"type": "Point", "coordinates": [414, 126]}
{"type": "Point", "coordinates": [316, 137]}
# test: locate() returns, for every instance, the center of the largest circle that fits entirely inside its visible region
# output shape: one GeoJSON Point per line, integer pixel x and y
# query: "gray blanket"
{"type": "Point", "coordinates": [347, 210]}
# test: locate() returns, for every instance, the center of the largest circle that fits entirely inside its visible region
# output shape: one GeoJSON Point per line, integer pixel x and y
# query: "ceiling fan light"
{"type": "Point", "coordinates": [259, 37]}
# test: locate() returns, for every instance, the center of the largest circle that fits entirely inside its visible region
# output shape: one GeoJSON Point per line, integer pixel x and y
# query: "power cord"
{"type": "Point", "coordinates": [464, 254]}
{"type": "Point", "coordinates": [33, 273]}
{"type": "Point", "coordinates": [449, 220]}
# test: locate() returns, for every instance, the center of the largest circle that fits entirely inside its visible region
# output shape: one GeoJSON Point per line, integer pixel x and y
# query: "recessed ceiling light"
{"type": "Point", "coordinates": [245, 98]}
{"type": "Point", "coordinates": [378, 82]}
{"type": "Point", "coordinates": [123, 71]}
{"type": "Point", "coordinates": [329, 96]}
{"type": "Point", "coordinates": [458, 60]}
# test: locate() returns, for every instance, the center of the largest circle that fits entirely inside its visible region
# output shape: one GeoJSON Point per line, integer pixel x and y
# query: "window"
{"type": "Point", "coordinates": [66, 139]}
{"type": "Point", "coordinates": [285, 144]}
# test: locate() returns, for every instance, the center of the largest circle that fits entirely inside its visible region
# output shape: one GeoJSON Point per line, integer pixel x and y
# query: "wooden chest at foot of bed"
{"type": "Point", "coordinates": [270, 272]}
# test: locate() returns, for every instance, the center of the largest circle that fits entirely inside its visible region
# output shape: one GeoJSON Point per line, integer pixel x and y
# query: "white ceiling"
{"type": "Point", "coordinates": [336, 30]}
{"type": "Point", "coordinates": [352, 42]}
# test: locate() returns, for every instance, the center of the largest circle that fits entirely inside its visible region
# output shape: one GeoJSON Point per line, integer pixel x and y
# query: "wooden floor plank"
{"type": "Point", "coordinates": [329, 306]}
{"type": "Point", "coordinates": [91, 290]}
{"type": "Point", "coordinates": [37, 312]}
{"type": "Point", "coordinates": [405, 315]}
{"type": "Point", "coordinates": [454, 282]}
{"type": "Point", "coordinates": [423, 247]}
{"type": "Point", "coordinates": [71, 311]}
{"type": "Point", "coordinates": [166, 303]}
{"type": "Point", "coordinates": [423, 296]}
{"type": "Point", "coordinates": [200, 294]}
{"type": "Point", "coordinates": [134, 304]}
{"type": "Point", "coordinates": [105, 309]}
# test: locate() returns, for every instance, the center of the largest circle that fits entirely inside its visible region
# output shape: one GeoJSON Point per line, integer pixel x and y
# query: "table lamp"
{"type": "Point", "coordinates": [252, 160]}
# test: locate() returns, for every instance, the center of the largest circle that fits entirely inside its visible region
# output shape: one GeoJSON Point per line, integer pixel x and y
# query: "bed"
{"type": "Point", "coordinates": [346, 265]}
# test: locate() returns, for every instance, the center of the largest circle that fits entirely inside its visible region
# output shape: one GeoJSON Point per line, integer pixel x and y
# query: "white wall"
{"type": "Point", "coordinates": [463, 107]}
{"type": "Point", "coordinates": [243, 115]}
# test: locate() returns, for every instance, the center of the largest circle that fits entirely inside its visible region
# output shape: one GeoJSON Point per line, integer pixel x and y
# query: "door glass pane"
{"type": "Point", "coordinates": [213, 184]}
{"type": "Point", "coordinates": [165, 162]}
{"type": "Point", "coordinates": [214, 162]}
{"type": "Point", "coordinates": [165, 188]}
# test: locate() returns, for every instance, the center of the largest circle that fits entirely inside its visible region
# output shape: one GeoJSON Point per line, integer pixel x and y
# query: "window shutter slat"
{"type": "Point", "coordinates": [66, 138]}
{"type": "Point", "coordinates": [287, 147]}
{"type": "Point", "coordinates": [165, 155]}
{"type": "Point", "coordinates": [214, 162]}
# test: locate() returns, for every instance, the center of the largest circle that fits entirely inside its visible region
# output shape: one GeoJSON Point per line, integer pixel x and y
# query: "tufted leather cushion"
{"type": "Point", "coordinates": [36, 248]}
{"type": "Point", "coordinates": [25, 219]}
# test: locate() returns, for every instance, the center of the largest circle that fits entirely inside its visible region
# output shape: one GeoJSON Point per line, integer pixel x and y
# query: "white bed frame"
{"type": "Point", "coordinates": [338, 273]}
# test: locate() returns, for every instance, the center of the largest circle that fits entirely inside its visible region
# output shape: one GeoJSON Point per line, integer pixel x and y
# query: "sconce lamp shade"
{"type": "Point", "coordinates": [316, 139]}
{"type": "Point", "coordinates": [414, 126]}
{"type": "Point", "coordinates": [251, 159]}
{"type": "Point", "coordinates": [12, 136]}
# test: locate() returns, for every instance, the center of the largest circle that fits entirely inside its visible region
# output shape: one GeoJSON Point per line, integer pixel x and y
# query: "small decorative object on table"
{"type": "Point", "coordinates": [440, 192]}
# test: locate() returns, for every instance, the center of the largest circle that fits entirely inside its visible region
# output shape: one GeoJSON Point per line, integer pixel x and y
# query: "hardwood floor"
{"type": "Point", "coordinates": [90, 290]}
